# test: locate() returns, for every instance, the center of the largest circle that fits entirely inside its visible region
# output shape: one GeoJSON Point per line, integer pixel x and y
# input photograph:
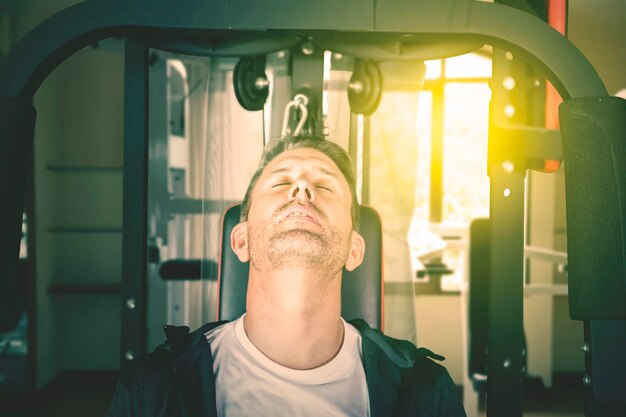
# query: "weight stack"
{"type": "Point", "coordinates": [593, 131]}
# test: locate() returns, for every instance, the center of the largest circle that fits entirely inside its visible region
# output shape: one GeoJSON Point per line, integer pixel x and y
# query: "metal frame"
{"type": "Point", "coordinates": [135, 195]}
{"type": "Point", "coordinates": [605, 365]}
{"type": "Point", "coordinates": [386, 29]}
{"type": "Point", "coordinates": [38, 53]}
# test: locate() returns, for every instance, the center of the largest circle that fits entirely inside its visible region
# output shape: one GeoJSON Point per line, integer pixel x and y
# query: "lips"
{"type": "Point", "coordinates": [297, 213]}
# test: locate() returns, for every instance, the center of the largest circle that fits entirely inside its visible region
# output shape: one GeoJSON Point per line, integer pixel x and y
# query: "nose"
{"type": "Point", "coordinates": [301, 191]}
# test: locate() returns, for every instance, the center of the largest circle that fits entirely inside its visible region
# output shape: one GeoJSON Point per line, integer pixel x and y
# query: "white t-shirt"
{"type": "Point", "coordinates": [248, 383]}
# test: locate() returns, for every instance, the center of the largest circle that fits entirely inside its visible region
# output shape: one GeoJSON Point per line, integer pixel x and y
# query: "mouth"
{"type": "Point", "coordinates": [299, 214]}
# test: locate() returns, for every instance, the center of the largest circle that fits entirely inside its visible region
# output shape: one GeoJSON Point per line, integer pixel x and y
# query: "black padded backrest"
{"type": "Point", "coordinates": [361, 289]}
{"type": "Point", "coordinates": [594, 149]}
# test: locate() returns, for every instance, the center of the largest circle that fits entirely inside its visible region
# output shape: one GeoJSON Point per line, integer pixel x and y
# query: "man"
{"type": "Point", "coordinates": [291, 354]}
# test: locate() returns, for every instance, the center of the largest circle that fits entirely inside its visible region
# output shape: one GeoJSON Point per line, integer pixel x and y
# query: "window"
{"type": "Point", "coordinates": [452, 186]}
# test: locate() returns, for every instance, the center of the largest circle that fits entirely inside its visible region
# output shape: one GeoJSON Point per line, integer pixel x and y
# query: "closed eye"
{"type": "Point", "coordinates": [280, 184]}
{"type": "Point", "coordinates": [324, 187]}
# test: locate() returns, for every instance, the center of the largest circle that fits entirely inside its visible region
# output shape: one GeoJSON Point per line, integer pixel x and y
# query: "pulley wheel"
{"type": "Point", "coordinates": [365, 88]}
{"type": "Point", "coordinates": [250, 82]}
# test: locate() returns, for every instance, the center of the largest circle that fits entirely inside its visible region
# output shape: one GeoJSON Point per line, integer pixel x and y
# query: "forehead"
{"type": "Point", "coordinates": [307, 159]}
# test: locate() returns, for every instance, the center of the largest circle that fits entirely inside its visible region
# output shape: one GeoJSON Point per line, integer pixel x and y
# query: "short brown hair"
{"type": "Point", "coordinates": [335, 152]}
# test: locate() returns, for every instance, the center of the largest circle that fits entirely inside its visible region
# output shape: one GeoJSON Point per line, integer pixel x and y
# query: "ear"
{"type": "Point", "coordinates": [239, 241]}
{"type": "Point", "coordinates": [357, 250]}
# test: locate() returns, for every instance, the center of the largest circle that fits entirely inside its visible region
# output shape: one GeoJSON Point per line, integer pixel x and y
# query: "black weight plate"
{"type": "Point", "coordinates": [366, 101]}
{"type": "Point", "coordinates": [244, 81]}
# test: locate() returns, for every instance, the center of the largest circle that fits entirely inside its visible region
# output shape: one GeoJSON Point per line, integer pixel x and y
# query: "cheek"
{"type": "Point", "coordinates": [253, 214]}
{"type": "Point", "coordinates": [254, 217]}
{"type": "Point", "coordinates": [342, 213]}
{"type": "Point", "coordinates": [260, 211]}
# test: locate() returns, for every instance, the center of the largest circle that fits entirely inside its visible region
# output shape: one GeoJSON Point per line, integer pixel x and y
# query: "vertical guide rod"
{"type": "Point", "coordinates": [365, 190]}
{"type": "Point", "coordinates": [134, 245]}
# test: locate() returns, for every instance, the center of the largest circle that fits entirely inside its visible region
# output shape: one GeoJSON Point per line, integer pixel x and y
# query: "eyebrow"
{"type": "Point", "coordinates": [320, 169]}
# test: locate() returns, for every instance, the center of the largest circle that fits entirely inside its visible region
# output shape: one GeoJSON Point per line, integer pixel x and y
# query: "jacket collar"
{"type": "Point", "coordinates": [385, 361]}
{"type": "Point", "coordinates": [193, 369]}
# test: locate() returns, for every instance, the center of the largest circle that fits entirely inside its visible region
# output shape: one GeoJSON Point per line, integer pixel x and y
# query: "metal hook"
{"type": "Point", "coordinates": [300, 101]}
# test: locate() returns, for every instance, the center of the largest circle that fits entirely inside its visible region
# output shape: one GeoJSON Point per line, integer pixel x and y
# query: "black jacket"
{"type": "Point", "coordinates": [177, 379]}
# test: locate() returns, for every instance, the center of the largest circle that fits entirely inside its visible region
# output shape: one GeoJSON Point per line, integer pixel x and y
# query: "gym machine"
{"type": "Point", "coordinates": [593, 128]}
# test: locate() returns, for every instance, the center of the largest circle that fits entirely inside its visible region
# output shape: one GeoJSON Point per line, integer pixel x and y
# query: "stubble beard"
{"type": "Point", "coordinates": [327, 252]}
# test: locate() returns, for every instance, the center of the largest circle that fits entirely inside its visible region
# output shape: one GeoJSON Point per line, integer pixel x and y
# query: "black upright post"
{"type": "Point", "coordinates": [134, 246]}
{"type": "Point", "coordinates": [505, 340]}
{"type": "Point", "coordinates": [516, 106]}
{"type": "Point", "coordinates": [17, 123]}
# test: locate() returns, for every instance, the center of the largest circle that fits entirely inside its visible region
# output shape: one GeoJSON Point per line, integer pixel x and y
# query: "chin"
{"type": "Point", "coordinates": [298, 247]}
{"type": "Point", "coordinates": [299, 231]}
{"type": "Point", "coordinates": [299, 240]}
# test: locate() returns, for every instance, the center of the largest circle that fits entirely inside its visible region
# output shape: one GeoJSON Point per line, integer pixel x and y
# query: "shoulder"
{"type": "Point", "coordinates": [146, 386]}
{"type": "Point", "coordinates": [156, 369]}
{"type": "Point", "coordinates": [428, 386]}
{"type": "Point", "coordinates": [402, 352]}
{"type": "Point", "coordinates": [140, 382]}
{"type": "Point", "coordinates": [216, 333]}
{"type": "Point", "coordinates": [429, 375]}
{"type": "Point", "coordinates": [409, 381]}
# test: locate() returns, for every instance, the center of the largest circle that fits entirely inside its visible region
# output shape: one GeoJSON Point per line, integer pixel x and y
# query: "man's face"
{"type": "Point", "coordinates": [300, 213]}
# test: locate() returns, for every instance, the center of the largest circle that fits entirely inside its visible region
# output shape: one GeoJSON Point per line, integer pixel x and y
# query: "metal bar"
{"type": "Point", "coordinates": [507, 169]}
{"type": "Point", "coordinates": [545, 254]}
{"type": "Point", "coordinates": [538, 45]}
{"type": "Point", "coordinates": [38, 53]}
{"type": "Point", "coordinates": [307, 76]}
{"type": "Point", "coordinates": [504, 386]}
{"type": "Point", "coordinates": [84, 170]}
{"type": "Point", "coordinates": [353, 141]}
{"type": "Point", "coordinates": [85, 230]}
{"type": "Point", "coordinates": [198, 206]}
{"type": "Point", "coordinates": [525, 142]}
{"type": "Point", "coordinates": [71, 289]}
{"type": "Point", "coordinates": [134, 243]}
{"type": "Point", "coordinates": [553, 289]}
{"type": "Point", "coordinates": [365, 189]}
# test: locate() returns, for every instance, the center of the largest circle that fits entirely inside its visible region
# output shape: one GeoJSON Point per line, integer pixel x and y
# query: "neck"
{"type": "Point", "coordinates": [294, 316]}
